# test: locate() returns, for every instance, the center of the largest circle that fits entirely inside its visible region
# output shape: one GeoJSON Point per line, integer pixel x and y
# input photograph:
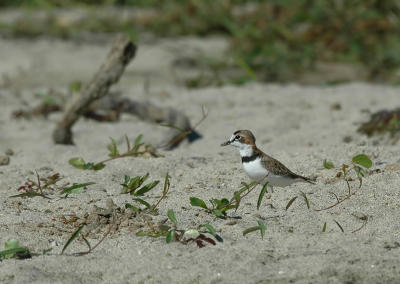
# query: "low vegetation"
{"type": "Point", "coordinates": [270, 40]}
{"type": "Point", "coordinates": [201, 235]}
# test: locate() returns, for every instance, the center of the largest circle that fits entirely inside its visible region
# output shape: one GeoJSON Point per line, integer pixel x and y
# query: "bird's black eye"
{"type": "Point", "coordinates": [237, 137]}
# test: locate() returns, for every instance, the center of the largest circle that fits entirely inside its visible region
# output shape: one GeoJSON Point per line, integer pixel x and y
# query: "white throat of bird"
{"type": "Point", "coordinates": [245, 150]}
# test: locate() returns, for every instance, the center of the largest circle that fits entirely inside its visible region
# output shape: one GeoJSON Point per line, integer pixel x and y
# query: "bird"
{"type": "Point", "coordinates": [259, 166]}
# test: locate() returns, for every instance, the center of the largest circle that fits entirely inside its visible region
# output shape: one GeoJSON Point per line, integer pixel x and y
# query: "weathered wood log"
{"type": "Point", "coordinates": [178, 123]}
{"type": "Point", "coordinates": [112, 105]}
{"type": "Point", "coordinates": [122, 51]}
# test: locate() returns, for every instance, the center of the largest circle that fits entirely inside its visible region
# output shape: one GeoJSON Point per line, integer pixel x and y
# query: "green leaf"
{"type": "Point", "coordinates": [138, 139]}
{"type": "Point", "coordinates": [130, 206]}
{"type": "Point", "coordinates": [128, 144]}
{"type": "Point", "coordinates": [217, 213]}
{"type": "Point", "coordinates": [324, 228]}
{"type": "Point", "coordinates": [166, 184]}
{"type": "Point", "coordinates": [360, 171]}
{"type": "Point", "coordinates": [75, 86]}
{"type": "Point", "coordinates": [226, 208]}
{"type": "Point", "coordinates": [171, 216]}
{"type": "Point", "coordinates": [97, 167]}
{"type": "Point", "coordinates": [262, 193]}
{"type": "Point", "coordinates": [194, 201]}
{"type": "Point", "coordinates": [305, 199]}
{"type": "Point", "coordinates": [73, 237]}
{"type": "Point", "coordinates": [8, 253]}
{"type": "Point", "coordinates": [218, 204]}
{"type": "Point", "coordinates": [210, 229]}
{"type": "Point", "coordinates": [290, 202]}
{"type": "Point", "coordinates": [252, 229]}
{"type": "Point", "coordinates": [137, 144]}
{"type": "Point", "coordinates": [362, 160]}
{"type": "Point", "coordinates": [170, 237]}
{"type": "Point", "coordinates": [262, 228]}
{"type": "Point", "coordinates": [340, 226]}
{"type": "Point", "coordinates": [142, 234]}
{"type": "Point", "coordinates": [144, 178]}
{"type": "Point", "coordinates": [328, 165]}
{"type": "Point", "coordinates": [113, 148]}
{"type": "Point", "coordinates": [126, 180]}
{"type": "Point", "coordinates": [147, 188]}
{"type": "Point", "coordinates": [132, 183]}
{"type": "Point", "coordinates": [88, 166]}
{"type": "Point", "coordinates": [236, 197]}
{"type": "Point", "coordinates": [76, 188]}
{"type": "Point", "coordinates": [145, 203]}
{"type": "Point", "coordinates": [77, 163]}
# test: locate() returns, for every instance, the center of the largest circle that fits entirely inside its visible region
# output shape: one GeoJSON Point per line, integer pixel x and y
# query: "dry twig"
{"type": "Point", "coordinates": [109, 73]}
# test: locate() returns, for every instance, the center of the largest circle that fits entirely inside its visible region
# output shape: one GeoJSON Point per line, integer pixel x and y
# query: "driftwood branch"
{"type": "Point", "coordinates": [178, 123]}
{"type": "Point", "coordinates": [95, 101]}
{"type": "Point", "coordinates": [109, 73]}
{"type": "Point", "coordinates": [112, 105]}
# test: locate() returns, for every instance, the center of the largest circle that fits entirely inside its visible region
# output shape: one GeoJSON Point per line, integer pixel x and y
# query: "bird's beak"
{"type": "Point", "coordinates": [226, 143]}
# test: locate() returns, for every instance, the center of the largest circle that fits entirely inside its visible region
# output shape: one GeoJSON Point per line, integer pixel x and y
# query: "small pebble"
{"type": "Point", "coordinates": [336, 106]}
{"type": "Point", "coordinates": [4, 160]}
{"type": "Point", "coordinates": [9, 152]}
{"type": "Point", "coordinates": [347, 139]}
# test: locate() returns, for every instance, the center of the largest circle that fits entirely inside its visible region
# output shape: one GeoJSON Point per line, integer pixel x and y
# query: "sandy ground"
{"type": "Point", "coordinates": [294, 124]}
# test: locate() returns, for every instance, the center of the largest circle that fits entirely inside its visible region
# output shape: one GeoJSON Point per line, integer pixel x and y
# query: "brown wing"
{"type": "Point", "coordinates": [277, 168]}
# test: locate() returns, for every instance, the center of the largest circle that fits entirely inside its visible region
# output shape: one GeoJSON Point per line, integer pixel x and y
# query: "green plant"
{"type": "Point", "coordinates": [359, 164]}
{"type": "Point", "coordinates": [138, 149]}
{"type": "Point", "coordinates": [174, 234]}
{"type": "Point", "coordinates": [269, 40]}
{"type": "Point", "coordinates": [291, 201]}
{"type": "Point", "coordinates": [131, 184]}
{"type": "Point", "coordinates": [260, 227]}
{"type": "Point", "coordinates": [36, 188]}
{"type": "Point", "coordinates": [90, 248]}
{"type": "Point", "coordinates": [328, 165]}
{"type": "Point", "coordinates": [75, 188]}
{"type": "Point", "coordinates": [39, 187]}
{"type": "Point", "coordinates": [219, 207]}
{"type": "Point", "coordinates": [14, 250]}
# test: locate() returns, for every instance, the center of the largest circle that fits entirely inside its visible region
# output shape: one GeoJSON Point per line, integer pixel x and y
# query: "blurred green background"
{"type": "Point", "coordinates": [274, 40]}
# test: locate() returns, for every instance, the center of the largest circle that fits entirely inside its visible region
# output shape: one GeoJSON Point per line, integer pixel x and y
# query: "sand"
{"type": "Point", "coordinates": [295, 124]}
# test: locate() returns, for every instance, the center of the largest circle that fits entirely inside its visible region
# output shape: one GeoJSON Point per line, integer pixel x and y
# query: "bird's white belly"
{"type": "Point", "coordinates": [256, 171]}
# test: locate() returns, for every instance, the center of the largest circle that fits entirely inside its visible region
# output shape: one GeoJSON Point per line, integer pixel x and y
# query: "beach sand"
{"type": "Point", "coordinates": [295, 124]}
